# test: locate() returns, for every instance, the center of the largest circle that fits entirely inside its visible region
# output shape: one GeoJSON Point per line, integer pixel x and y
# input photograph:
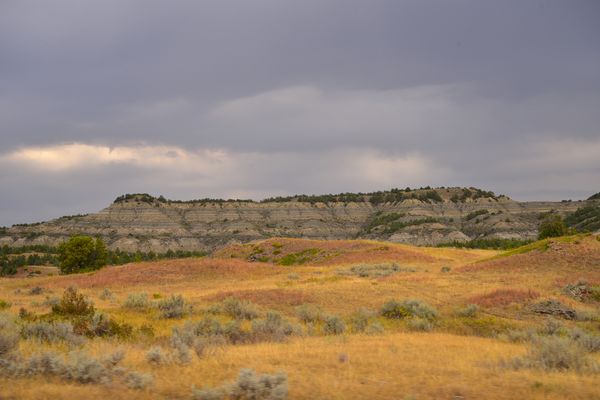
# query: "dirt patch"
{"type": "Point", "coordinates": [504, 297]}
{"type": "Point", "coordinates": [265, 297]}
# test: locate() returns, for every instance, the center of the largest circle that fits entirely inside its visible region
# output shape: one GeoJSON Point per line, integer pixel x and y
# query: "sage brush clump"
{"type": "Point", "coordinates": [238, 309]}
{"type": "Point", "coordinates": [374, 270]}
{"type": "Point", "coordinates": [139, 301]}
{"type": "Point", "coordinates": [51, 332]}
{"type": "Point", "coordinates": [309, 313]}
{"type": "Point", "coordinates": [248, 386]}
{"type": "Point", "coordinates": [333, 325]}
{"type": "Point", "coordinates": [394, 309]}
{"type": "Point", "coordinates": [173, 307]}
{"type": "Point", "coordinates": [555, 353]}
{"type": "Point", "coordinates": [76, 366]}
{"type": "Point", "coordinates": [273, 328]}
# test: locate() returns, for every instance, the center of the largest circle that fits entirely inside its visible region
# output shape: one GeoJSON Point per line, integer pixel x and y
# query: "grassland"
{"type": "Point", "coordinates": [485, 318]}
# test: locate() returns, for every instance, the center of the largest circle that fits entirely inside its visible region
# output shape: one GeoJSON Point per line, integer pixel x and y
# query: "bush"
{"type": "Point", "coordinates": [138, 380]}
{"type": "Point", "coordinates": [73, 304]}
{"type": "Point", "coordinates": [408, 308]}
{"type": "Point", "coordinates": [309, 313]}
{"type": "Point", "coordinates": [360, 320]}
{"type": "Point", "coordinates": [272, 328]}
{"type": "Point", "coordinates": [556, 354]}
{"type": "Point", "coordinates": [173, 307]}
{"type": "Point", "coordinates": [238, 309]}
{"type": "Point", "coordinates": [157, 356]}
{"type": "Point", "coordinates": [248, 386]}
{"type": "Point", "coordinates": [138, 301]}
{"type": "Point", "coordinates": [469, 311]}
{"type": "Point", "coordinates": [4, 304]}
{"type": "Point", "coordinates": [553, 226]}
{"type": "Point", "coordinates": [551, 327]}
{"type": "Point", "coordinates": [589, 342]}
{"type": "Point", "coordinates": [51, 332]}
{"type": "Point", "coordinates": [333, 325]}
{"type": "Point", "coordinates": [420, 324]}
{"type": "Point", "coordinates": [77, 366]}
{"type": "Point", "coordinates": [81, 254]}
{"type": "Point", "coordinates": [555, 308]}
{"type": "Point", "coordinates": [374, 270]}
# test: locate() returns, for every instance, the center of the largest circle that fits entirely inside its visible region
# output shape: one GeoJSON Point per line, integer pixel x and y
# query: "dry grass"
{"type": "Point", "coordinates": [265, 297]}
{"type": "Point", "coordinates": [392, 365]}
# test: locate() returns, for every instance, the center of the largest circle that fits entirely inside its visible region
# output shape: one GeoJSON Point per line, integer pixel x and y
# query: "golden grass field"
{"type": "Point", "coordinates": [459, 358]}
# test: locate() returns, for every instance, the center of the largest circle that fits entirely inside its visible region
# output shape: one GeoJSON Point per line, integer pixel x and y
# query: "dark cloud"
{"type": "Point", "coordinates": [503, 95]}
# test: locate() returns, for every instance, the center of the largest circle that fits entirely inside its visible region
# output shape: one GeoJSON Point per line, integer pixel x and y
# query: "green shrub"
{"type": "Point", "coordinates": [4, 304]}
{"type": "Point", "coordinates": [73, 304]}
{"type": "Point", "coordinates": [475, 214]}
{"type": "Point", "coordinates": [553, 226]}
{"type": "Point", "coordinates": [81, 254]}
{"type": "Point", "coordinates": [333, 325]}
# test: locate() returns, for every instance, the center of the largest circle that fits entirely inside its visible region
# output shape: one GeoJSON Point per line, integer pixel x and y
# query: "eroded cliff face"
{"type": "Point", "coordinates": [132, 225]}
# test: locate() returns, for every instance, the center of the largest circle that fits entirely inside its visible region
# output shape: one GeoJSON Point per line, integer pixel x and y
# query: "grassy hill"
{"type": "Point", "coordinates": [463, 323]}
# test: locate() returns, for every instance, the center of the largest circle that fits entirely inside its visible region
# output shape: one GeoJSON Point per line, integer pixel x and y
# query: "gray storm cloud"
{"type": "Point", "coordinates": [252, 99]}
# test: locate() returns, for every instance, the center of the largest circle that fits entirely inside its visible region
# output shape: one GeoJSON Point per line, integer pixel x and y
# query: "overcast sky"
{"type": "Point", "coordinates": [257, 98]}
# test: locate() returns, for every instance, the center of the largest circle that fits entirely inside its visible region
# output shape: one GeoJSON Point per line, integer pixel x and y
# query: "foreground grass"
{"type": "Point", "coordinates": [463, 354]}
{"type": "Point", "coordinates": [390, 366]}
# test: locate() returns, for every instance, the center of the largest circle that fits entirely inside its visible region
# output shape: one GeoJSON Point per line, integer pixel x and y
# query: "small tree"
{"type": "Point", "coordinates": [80, 254]}
{"type": "Point", "coordinates": [552, 227]}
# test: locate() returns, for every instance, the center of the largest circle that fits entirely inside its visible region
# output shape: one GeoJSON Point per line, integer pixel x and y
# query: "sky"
{"type": "Point", "coordinates": [259, 98]}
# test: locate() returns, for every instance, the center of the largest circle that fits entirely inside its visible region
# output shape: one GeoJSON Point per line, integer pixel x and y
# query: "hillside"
{"type": "Point", "coordinates": [422, 216]}
{"type": "Point", "coordinates": [319, 312]}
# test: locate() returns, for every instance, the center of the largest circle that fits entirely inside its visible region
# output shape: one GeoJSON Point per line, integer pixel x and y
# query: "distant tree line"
{"type": "Point", "coordinates": [78, 255]}
{"type": "Point", "coordinates": [488, 243]}
{"type": "Point", "coordinates": [425, 194]}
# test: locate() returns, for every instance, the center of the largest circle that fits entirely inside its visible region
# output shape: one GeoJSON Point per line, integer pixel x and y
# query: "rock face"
{"type": "Point", "coordinates": [137, 223]}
